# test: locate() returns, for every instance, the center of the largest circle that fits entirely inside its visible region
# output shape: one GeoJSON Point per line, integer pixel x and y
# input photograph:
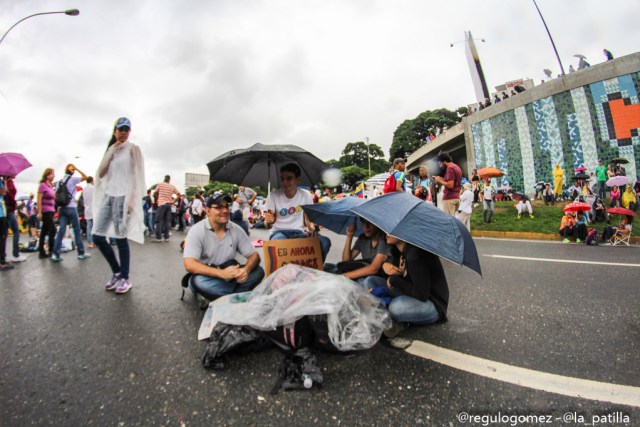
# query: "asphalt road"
{"type": "Point", "coordinates": [72, 354]}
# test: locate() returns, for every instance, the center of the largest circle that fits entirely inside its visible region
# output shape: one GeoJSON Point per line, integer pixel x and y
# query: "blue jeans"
{"type": "Point", "coordinates": [89, 228]}
{"type": "Point", "coordinates": [488, 210]}
{"type": "Point", "coordinates": [68, 216]}
{"type": "Point", "coordinates": [12, 223]}
{"type": "Point", "coordinates": [404, 308]}
{"type": "Point", "coordinates": [212, 288]}
{"type": "Point", "coordinates": [325, 243]}
{"type": "Point", "coordinates": [121, 268]}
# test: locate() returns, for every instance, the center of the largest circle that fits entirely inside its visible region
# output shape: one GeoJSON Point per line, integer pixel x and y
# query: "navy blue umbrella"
{"type": "Point", "coordinates": [335, 215]}
{"type": "Point", "coordinates": [421, 224]}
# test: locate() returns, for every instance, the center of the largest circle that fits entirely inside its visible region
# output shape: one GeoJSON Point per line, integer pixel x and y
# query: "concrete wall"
{"type": "Point", "coordinates": [573, 120]}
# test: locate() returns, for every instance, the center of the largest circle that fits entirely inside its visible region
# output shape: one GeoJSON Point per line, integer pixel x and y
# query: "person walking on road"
{"type": "Point", "coordinates": [4, 266]}
{"type": "Point", "coordinates": [166, 191]}
{"type": "Point", "coordinates": [46, 210]}
{"type": "Point", "coordinates": [119, 190]}
{"type": "Point", "coordinates": [451, 182]}
{"type": "Point", "coordinates": [87, 195]}
{"type": "Point", "coordinates": [68, 215]}
{"type": "Point", "coordinates": [10, 205]}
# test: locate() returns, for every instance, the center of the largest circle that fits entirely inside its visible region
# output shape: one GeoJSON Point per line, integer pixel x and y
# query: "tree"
{"type": "Point", "coordinates": [414, 133]}
{"type": "Point", "coordinates": [334, 163]}
{"type": "Point", "coordinates": [353, 174]}
{"type": "Point", "coordinates": [358, 154]}
{"type": "Point", "coordinates": [224, 187]}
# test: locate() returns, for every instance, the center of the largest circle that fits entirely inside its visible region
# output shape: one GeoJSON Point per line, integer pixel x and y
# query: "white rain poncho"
{"type": "Point", "coordinates": [127, 179]}
{"type": "Point", "coordinates": [355, 318]}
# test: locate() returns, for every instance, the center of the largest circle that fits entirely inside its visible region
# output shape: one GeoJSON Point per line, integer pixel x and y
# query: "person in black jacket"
{"type": "Point", "coordinates": [416, 283]}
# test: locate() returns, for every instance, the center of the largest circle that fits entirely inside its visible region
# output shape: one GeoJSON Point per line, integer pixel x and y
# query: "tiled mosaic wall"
{"type": "Point", "coordinates": [577, 128]}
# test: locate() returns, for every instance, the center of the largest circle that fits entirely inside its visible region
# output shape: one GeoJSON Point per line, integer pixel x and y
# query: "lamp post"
{"type": "Point", "coordinates": [550, 38]}
{"type": "Point", "coordinates": [366, 138]}
{"type": "Point", "coordinates": [70, 12]}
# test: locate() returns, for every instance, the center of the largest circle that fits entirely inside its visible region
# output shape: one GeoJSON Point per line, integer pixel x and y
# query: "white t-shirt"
{"type": "Point", "coordinates": [196, 206]}
{"type": "Point", "coordinates": [488, 192]}
{"type": "Point", "coordinates": [289, 214]}
{"type": "Point", "coordinates": [87, 195]}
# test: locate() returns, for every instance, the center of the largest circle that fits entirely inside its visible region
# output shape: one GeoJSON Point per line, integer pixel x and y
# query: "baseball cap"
{"type": "Point", "coordinates": [122, 122]}
{"type": "Point", "coordinates": [216, 199]}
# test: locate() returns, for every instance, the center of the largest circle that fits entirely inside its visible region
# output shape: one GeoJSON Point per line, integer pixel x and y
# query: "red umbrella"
{"type": "Point", "coordinates": [577, 206]}
{"type": "Point", "coordinates": [580, 169]}
{"type": "Point", "coordinates": [621, 211]}
{"type": "Point", "coordinates": [490, 173]}
{"type": "Point", "coordinates": [11, 164]}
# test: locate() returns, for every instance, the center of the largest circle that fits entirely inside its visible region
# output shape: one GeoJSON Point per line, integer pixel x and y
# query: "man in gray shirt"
{"type": "Point", "coordinates": [210, 251]}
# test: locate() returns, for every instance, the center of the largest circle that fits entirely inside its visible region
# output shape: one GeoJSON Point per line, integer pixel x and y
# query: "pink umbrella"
{"type": "Point", "coordinates": [580, 169]}
{"type": "Point", "coordinates": [577, 206]}
{"type": "Point", "coordinates": [617, 180]}
{"type": "Point", "coordinates": [11, 164]}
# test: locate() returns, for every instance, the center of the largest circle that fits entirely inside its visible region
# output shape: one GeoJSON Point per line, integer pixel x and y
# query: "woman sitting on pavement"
{"type": "Point", "coordinates": [614, 197]}
{"type": "Point", "coordinates": [629, 200]}
{"type": "Point", "coordinates": [581, 226]}
{"type": "Point", "coordinates": [416, 284]}
{"type": "Point", "coordinates": [623, 229]}
{"type": "Point", "coordinates": [371, 245]}
{"type": "Point", "coordinates": [567, 226]}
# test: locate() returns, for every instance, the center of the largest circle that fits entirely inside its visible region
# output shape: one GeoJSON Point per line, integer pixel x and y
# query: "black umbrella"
{"type": "Point", "coordinates": [581, 176]}
{"type": "Point", "coordinates": [260, 164]}
{"type": "Point", "coordinates": [620, 160]}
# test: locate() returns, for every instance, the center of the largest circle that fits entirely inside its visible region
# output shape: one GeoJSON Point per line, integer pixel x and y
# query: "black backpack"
{"type": "Point", "coordinates": [63, 197]}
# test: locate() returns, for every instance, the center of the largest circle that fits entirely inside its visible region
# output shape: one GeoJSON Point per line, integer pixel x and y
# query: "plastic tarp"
{"type": "Point", "coordinates": [355, 318]}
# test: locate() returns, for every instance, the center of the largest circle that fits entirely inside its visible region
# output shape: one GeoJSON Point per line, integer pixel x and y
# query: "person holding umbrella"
{"type": "Point", "coordinates": [4, 266]}
{"type": "Point", "coordinates": [12, 220]}
{"type": "Point", "coordinates": [285, 216]}
{"type": "Point", "coordinates": [416, 283]}
{"type": "Point", "coordinates": [567, 225]}
{"type": "Point", "coordinates": [623, 229]}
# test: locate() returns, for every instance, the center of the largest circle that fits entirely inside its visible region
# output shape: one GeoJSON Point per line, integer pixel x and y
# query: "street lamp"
{"type": "Point", "coordinates": [368, 155]}
{"type": "Point", "coordinates": [550, 38]}
{"type": "Point", "coordinates": [70, 12]}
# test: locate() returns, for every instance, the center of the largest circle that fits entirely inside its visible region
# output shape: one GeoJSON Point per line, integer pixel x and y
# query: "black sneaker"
{"type": "Point", "coordinates": [6, 266]}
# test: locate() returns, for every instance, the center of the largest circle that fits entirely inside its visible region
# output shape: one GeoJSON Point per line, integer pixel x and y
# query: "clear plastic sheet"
{"type": "Point", "coordinates": [355, 318]}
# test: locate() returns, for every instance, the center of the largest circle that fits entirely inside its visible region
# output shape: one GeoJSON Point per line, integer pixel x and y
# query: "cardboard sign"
{"type": "Point", "coordinates": [304, 252]}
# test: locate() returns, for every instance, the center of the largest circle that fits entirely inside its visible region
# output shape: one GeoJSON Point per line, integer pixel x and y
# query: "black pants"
{"type": "Point", "coordinates": [48, 229]}
{"type": "Point", "coordinates": [3, 239]}
{"type": "Point", "coordinates": [566, 232]}
{"type": "Point", "coordinates": [581, 232]}
{"type": "Point", "coordinates": [163, 221]}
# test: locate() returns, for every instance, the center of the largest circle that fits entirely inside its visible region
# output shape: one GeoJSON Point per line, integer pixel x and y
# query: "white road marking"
{"type": "Point", "coordinates": [570, 261]}
{"type": "Point", "coordinates": [552, 383]}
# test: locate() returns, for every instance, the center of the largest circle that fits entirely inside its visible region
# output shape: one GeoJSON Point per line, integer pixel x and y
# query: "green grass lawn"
{"type": "Point", "coordinates": [547, 218]}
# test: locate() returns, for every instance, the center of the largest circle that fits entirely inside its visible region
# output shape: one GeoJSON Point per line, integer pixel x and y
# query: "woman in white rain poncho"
{"type": "Point", "coordinates": [117, 203]}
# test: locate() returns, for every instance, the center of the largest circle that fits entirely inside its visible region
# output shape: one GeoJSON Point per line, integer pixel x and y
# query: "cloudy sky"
{"type": "Point", "coordinates": [198, 78]}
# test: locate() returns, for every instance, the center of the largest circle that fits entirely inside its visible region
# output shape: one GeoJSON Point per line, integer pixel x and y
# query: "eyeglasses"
{"type": "Point", "coordinates": [287, 178]}
{"type": "Point", "coordinates": [220, 207]}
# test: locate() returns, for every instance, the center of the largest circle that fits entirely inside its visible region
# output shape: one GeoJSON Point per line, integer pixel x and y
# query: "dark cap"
{"type": "Point", "coordinates": [216, 199]}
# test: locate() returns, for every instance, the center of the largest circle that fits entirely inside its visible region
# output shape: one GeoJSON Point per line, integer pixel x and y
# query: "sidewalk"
{"type": "Point", "coordinates": [529, 236]}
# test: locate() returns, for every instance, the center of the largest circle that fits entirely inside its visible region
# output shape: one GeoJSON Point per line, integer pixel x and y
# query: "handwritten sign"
{"type": "Point", "coordinates": [278, 253]}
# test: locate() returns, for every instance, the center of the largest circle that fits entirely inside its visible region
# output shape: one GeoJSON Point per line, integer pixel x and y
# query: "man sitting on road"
{"type": "Point", "coordinates": [284, 215]}
{"type": "Point", "coordinates": [210, 251]}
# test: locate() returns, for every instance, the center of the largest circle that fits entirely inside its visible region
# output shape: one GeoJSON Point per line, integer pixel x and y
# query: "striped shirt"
{"type": "Point", "coordinates": [165, 191]}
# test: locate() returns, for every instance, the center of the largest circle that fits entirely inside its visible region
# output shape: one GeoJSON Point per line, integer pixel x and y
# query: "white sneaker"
{"type": "Point", "coordinates": [19, 258]}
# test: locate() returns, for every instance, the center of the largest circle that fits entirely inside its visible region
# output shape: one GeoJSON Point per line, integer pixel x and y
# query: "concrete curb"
{"type": "Point", "coordinates": [528, 236]}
